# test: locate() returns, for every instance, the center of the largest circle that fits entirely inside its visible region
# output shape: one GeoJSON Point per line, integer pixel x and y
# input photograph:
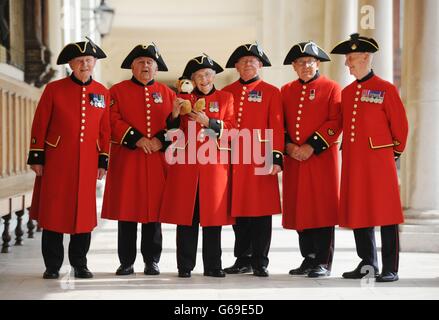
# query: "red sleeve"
{"type": "Point", "coordinates": [119, 128]}
{"type": "Point", "coordinates": [105, 128]}
{"type": "Point", "coordinates": [276, 122]}
{"type": "Point", "coordinates": [39, 127]}
{"type": "Point", "coordinates": [330, 130]}
{"type": "Point", "coordinates": [397, 117]}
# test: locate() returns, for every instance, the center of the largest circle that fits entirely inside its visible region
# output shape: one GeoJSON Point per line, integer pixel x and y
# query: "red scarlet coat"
{"type": "Point", "coordinates": [212, 180]}
{"type": "Point", "coordinates": [311, 187]}
{"type": "Point", "coordinates": [256, 195]}
{"type": "Point", "coordinates": [68, 135]}
{"type": "Point", "coordinates": [372, 133]}
{"type": "Point", "coordinates": [135, 180]}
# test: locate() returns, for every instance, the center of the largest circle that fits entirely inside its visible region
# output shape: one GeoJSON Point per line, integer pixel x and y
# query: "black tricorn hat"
{"type": "Point", "coordinates": [150, 51]}
{"type": "Point", "coordinates": [199, 63]}
{"type": "Point", "coordinates": [306, 49]}
{"type": "Point", "coordinates": [356, 43]}
{"type": "Point", "coordinates": [248, 50]}
{"type": "Point", "coordinates": [80, 49]}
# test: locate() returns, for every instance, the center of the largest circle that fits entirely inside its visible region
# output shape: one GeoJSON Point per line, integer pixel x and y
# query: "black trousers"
{"type": "Point", "coordinates": [366, 247]}
{"type": "Point", "coordinates": [150, 245]}
{"type": "Point", "coordinates": [252, 241]}
{"type": "Point", "coordinates": [317, 246]}
{"type": "Point", "coordinates": [53, 249]}
{"type": "Point", "coordinates": [187, 243]}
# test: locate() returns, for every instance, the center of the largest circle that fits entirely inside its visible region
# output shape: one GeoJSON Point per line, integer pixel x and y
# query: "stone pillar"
{"type": "Point", "coordinates": [420, 170]}
{"type": "Point", "coordinates": [271, 36]}
{"type": "Point", "coordinates": [286, 23]}
{"type": "Point", "coordinates": [340, 22]}
{"type": "Point", "coordinates": [376, 20]}
{"type": "Point", "coordinates": [55, 35]}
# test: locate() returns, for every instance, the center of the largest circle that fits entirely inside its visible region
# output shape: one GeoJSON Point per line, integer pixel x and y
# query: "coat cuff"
{"type": "Point", "coordinates": [278, 158]}
{"type": "Point", "coordinates": [172, 123]}
{"type": "Point", "coordinates": [36, 157]}
{"type": "Point", "coordinates": [103, 161]}
{"type": "Point", "coordinates": [217, 126]}
{"type": "Point", "coordinates": [131, 138]}
{"type": "Point", "coordinates": [317, 143]}
{"type": "Point", "coordinates": [161, 135]}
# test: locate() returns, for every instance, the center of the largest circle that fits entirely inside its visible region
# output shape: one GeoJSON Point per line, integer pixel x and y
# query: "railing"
{"type": "Point", "coordinates": [18, 102]}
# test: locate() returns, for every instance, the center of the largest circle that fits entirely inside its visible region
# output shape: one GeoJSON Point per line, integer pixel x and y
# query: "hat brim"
{"type": "Point", "coordinates": [138, 52]}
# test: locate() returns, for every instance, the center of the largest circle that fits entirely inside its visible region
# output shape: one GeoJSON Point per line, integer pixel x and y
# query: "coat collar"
{"type": "Point", "coordinates": [249, 81]}
{"type": "Point", "coordinates": [134, 80]}
{"type": "Point", "coordinates": [364, 79]}
{"type": "Point", "coordinates": [316, 76]}
{"type": "Point", "coordinates": [79, 82]}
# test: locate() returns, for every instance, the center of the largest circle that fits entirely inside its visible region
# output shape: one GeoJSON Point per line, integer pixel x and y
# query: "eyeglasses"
{"type": "Point", "coordinates": [307, 63]}
{"type": "Point", "coordinates": [246, 60]}
{"type": "Point", "coordinates": [200, 76]}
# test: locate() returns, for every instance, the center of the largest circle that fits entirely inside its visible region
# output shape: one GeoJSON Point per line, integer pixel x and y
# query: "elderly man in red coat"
{"type": "Point", "coordinates": [375, 132]}
{"type": "Point", "coordinates": [255, 197]}
{"type": "Point", "coordinates": [136, 175]}
{"type": "Point", "coordinates": [197, 190]}
{"type": "Point", "coordinates": [69, 149]}
{"type": "Point", "coordinates": [311, 178]}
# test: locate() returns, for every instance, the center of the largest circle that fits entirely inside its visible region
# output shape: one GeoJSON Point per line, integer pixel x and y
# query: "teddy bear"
{"type": "Point", "coordinates": [184, 91]}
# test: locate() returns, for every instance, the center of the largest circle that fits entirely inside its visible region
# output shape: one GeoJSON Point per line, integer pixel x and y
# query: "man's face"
{"type": "Point", "coordinates": [248, 67]}
{"type": "Point", "coordinates": [83, 67]}
{"type": "Point", "coordinates": [306, 67]}
{"type": "Point", "coordinates": [203, 79]}
{"type": "Point", "coordinates": [144, 69]}
{"type": "Point", "coordinates": [356, 62]}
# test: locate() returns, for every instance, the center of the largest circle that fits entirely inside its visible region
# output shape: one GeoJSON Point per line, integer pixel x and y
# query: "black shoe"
{"type": "Point", "coordinates": [319, 271]}
{"type": "Point", "coordinates": [236, 269]}
{"type": "Point", "coordinates": [151, 269]}
{"type": "Point", "coordinates": [51, 274]}
{"type": "Point", "coordinates": [260, 272]}
{"type": "Point", "coordinates": [217, 273]}
{"type": "Point", "coordinates": [82, 273]}
{"type": "Point", "coordinates": [357, 274]}
{"type": "Point", "coordinates": [124, 270]}
{"type": "Point", "coordinates": [304, 268]}
{"type": "Point", "coordinates": [184, 274]}
{"type": "Point", "coordinates": [387, 277]}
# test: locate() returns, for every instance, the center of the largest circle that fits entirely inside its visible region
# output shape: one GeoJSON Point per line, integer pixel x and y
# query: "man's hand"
{"type": "Point", "coordinates": [101, 173]}
{"type": "Point", "coordinates": [276, 169]}
{"type": "Point", "coordinates": [200, 117]}
{"type": "Point", "coordinates": [178, 103]}
{"type": "Point", "coordinates": [291, 149]}
{"type": "Point", "coordinates": [155, 144]}
{"type": "Point", "coordinates": [305, 151]}
{"type": "Point", "coordinates": [38, 169]}
{"type": "Point", "coordinates": [144, 144]}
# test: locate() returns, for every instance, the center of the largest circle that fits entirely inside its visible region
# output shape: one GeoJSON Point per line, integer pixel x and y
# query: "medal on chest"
{"type": "Point", "coordinates": [255, 96]}
{"type": "Point", "coordinates": [97, 100]}
{"type": "Point", "coordinates": [373, 96]}
{"type": "Point", "coordinates": [312, 94]}
{"type": "Point", "coordinates": [157, 97]}
{"type": "Point", "coordinates": [213, 106]}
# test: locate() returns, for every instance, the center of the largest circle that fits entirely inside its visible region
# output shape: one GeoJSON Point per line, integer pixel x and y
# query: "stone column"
{"type": "Point", "coordinates": [271, 37]}
{"type": "Point", "coordinates": [55, 35]}
{"type": "Point", "coordinates": [340, 21]}
{"type": "Point", "coordinates": [286, 23]}
{"type": "Point", "coordinates": [420, 169]}
{"type": "Point", "coordinates": [376, 20]}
